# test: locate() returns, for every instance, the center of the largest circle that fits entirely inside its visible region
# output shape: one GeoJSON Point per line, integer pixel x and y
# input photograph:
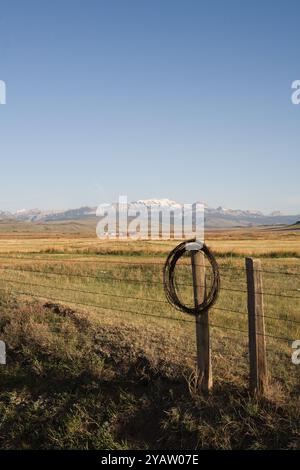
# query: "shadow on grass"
{"type": "Point", "coordinates": [55, 397]}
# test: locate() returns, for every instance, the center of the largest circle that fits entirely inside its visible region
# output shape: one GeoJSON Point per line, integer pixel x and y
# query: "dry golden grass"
{"type": "Point", "coordinates": [80, 238]}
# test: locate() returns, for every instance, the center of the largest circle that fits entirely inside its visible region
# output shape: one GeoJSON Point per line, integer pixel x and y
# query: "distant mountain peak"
{"type": "Point", "coordinates": [158, 202]}
{"type": "Point", "coordinates": [219, 217]}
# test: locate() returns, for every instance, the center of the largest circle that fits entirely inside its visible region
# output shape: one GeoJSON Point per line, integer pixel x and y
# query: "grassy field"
{"type": "Point", "coordinates": [98, 359]}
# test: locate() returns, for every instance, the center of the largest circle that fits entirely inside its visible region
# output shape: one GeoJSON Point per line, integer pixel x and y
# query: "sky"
{"type": "Point", "coordinates": [188, 100]}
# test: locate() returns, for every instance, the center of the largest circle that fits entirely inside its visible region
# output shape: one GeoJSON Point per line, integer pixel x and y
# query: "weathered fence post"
{"type": "Point", "coordinates": [204, 370]}
{"type": "Point", "coordinates": [256, 325]}
{"type": "Point", "coordinates": [2, 352]}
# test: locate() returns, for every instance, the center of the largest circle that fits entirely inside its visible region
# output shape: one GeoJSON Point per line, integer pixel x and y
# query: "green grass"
{"type": "Point", "coordinates": [74, 381]}
{"type": "Point", "coordinates": [88, 370]}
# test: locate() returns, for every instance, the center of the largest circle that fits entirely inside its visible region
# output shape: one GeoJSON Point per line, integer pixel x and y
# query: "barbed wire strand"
{"type": "Point", "coordinates": [113, 295]}
{"type": "Point", "coordinates": [117, 279]}
{"type": "Point", "coordinates": [234, 268]}
{"type": "Point", "coordinates": [97, 306]}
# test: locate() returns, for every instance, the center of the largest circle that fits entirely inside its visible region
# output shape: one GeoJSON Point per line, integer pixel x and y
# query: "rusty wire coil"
{"type": "Point", "coordinates": [169, 280]}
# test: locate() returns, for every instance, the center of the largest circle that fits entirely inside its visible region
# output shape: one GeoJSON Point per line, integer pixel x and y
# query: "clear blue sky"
{"type": "Point", "coordinates": [189, 100]}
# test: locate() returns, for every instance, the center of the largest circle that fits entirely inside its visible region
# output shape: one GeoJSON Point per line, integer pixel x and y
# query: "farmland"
{"type": "Point", "coordinates": [94, 351]}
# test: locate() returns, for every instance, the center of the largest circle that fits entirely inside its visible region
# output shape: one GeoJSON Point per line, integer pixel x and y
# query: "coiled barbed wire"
{"type": "Point", "coordinates": [169, 280]}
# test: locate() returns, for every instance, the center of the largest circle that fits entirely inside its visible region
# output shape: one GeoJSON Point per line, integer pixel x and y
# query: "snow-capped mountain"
{"type": "Point", "coordinates": [219, 217]}
{"type": "Point", "coordinates": [157, 203]}
{"type": "Point", "coordinates": [37, 215]}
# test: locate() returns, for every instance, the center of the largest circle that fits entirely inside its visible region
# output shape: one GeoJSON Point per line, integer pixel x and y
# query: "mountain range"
{"type": "Point", "coordinates": [219, 217]}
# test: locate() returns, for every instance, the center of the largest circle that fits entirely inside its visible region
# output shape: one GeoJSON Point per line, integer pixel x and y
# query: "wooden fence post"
{"type": "Point", "coordinates": [204, 370]}
{"type": "Point", "coordinates": [256, 325]}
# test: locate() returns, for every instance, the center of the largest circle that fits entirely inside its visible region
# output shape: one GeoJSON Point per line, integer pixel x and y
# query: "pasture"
{"type": "Point", "coordinates": [96, 357]}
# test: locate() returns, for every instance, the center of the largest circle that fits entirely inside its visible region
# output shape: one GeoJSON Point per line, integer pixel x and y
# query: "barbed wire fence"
{"type": "Point", "coordinates": [134, 289]}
